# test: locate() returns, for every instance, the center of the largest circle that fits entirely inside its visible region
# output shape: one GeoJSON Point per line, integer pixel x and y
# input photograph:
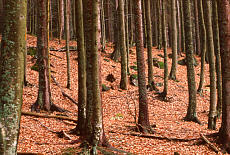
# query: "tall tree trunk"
{"type": "Point", "coordinates": [81, 68]}
{"type": "Point", "coordinates": [164, 35]}
{"type": "Point", "coordinates": [204, 46]}
{"type": "Point", "coordinates": [149, 45]}
{"type": "Point", "coordinates": [124, 79]}
{"type": "Point", "coordinates": [103, 36]}
{"type": "Point", "coordinates": [216, 40]}
{"type": "Point", "coordinates": [191, 112]}
{"type": "Point", "coordinates": [212, 69]}
{"type": "Point", "coordinates": [224, 24]}
{"type": "Point", "coordinates": [127, 32]}
{"type": "Point", "coordinates": [61, 19]}
{"type": "Point", "coordinates": [198, 51]}
{"type": "Point", "coordinates": [182, 26]}
{"type": "Point", "coordinates": [13, 46]}
{"type": "Point", "coordinates": [143, 119]}
{"type": "Point", "coordinates": [174, 41]}
{"type": "Point", "coordinates": [159, 14]}
{"type": "Point", "coordinates": [94, 125]}
{"type": "Point", "coordinates": [67, 35]}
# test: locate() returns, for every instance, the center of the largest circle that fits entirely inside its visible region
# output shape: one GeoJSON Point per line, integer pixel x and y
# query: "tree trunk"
{"type": "Point", "coordinates": [212, 69]}
{"type": "Point", "coordinates": [159, 14]}
{"type": "Point", "coordinates": [61, 19]}
{"type": "Point", "coordinates": [198, 51]}
{"type": "Point", "coordinates": [143, 119]}
{"type": "Point", "coordinates": [94, 125]}
{"type": "Point", "coordinates": [174, 41]}
{"type": "Point", "coordinates": [182, 26]}
{"type": "Point", "coordinates": [67, 38]}
{"type": "Point", "coordinates": [149, 45]}
{"type": "Point", "coordinates": [191, 112]}
{"type": "Point", "coordinates": [204, 46]}
{"type": "Point", "coordinates": [124, 80]}
{"type": "Point", "coordinates": [81, 68]}
{"type": "Point", "coordinates": [216, 40]}
{"type": "Point", "coordinates": [224, 24]}
{"type": "Point", "coordinates": [164, 35]}
{"type": "Point", "coordinates": [13, 46]}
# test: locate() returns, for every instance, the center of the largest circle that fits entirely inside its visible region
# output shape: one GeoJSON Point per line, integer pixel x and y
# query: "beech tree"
{"type": "Point", "coordinates": [13, 47]}
{"type": "Point", "coordinates": [224, 24]}
{"type": "Point", "coordinates": [143, 119]}
{"type": "Point", "coordinates": [44, 101]}
{"type": "Point", "coordinates": [94, 130]}
{"type": "Point", "coordinates": [191, 112]}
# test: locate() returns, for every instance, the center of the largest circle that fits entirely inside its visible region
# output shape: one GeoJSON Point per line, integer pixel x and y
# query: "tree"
{"type": "Point", "coordinates": [124, 80]}
{"type": "Point", "coordinates": [13, 47]}
{"type": "Point", "coordinates": [204, 45]}
{"type": "Point", "coordinates": [212, 70]}
{"type": "Point", "coordinates": [44, 101]}
{"type": "Point", "coordinates": [216, 41]}
{"type": "Point", "coordinates": [174, 41]}
{"type": "Point", "coordinates": [164, 35]}
{"type": "Point", "coordinates": [143, 119]}
{"type": "Point", "coordinates": [149, 45]}
{"type": "Point", "coordinates": [191, 112]}
{"type": "Point", "coordinates": [94, 131]}
{"type": "Point", "coordinates": [159, 14]}
{"type": "Point", "coordinates": [197, 30]}
{"type": "Point", "coordinates": [81, 69]}
{"type": "Point", "coordinates": [224, 24]}
{"type": "Point", "coordinates": [67, 37]}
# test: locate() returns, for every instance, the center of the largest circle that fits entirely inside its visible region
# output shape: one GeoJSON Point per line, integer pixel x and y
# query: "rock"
{"type": "Point", "coordinates": [110, 78]}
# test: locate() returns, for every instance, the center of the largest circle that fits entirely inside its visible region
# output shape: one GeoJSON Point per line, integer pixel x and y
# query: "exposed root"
{"type": "Point", "coordinates": [192, 119]}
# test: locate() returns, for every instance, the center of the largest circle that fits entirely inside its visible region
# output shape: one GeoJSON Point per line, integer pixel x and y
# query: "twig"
{"type": "Point", "coordinates": [209, 143]}
{"type": "Point", "coordinates": [48, 116]}
{"type": "Point", "coordinates": [55, 56]}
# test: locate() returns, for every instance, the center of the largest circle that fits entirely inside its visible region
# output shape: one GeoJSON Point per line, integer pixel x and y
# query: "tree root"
{"type": "Point", "coordinates": [157, 137]}
{"type": "Point", "coordinates": [209, 143]}
{"type": "Point", "coordinates": [53, 107]}
{"type": "Point", "coordinates": [48, 116]}
{"type": "Point", "coordinates": [193, 119]}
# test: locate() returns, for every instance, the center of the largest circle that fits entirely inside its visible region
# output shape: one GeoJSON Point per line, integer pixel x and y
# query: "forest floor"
{"type": "Point", "coordinates": [118, 109]}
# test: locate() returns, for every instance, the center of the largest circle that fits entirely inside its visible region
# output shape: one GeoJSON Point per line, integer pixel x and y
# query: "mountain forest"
{"type": "Point", "coordinates": [114, 77]}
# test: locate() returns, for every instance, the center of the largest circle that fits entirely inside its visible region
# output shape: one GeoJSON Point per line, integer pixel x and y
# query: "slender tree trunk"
{"type": "Point", "coordinates": [198, 51]}
{"type": "Point", "coordinates": [159, 14]}
{"type": "Point", "coordinates": [13, 46]}
{"type": "Point", "coordinates": [212, 69]}
{"type": "Point", "coordinates": [224, 24]}
{"type": "Point", "coordinates": [61, 19]}
{"type": "Point", "coordinates": [81, 68]}
{"type": "Point", "coordinates": [182, 27]}
{"type": "Point", "coordinates": [174, 41]}
{"type": "Point", "coordinates": [149, 45]}
{"type": "Point", "coordinates": [94, 131]}
{"type": "Point", "coordinates": [216, 40]}
{"type": "Point", "coordinates": [67, 35]}
{"type": "Point", "coordinates": [191, 112]}
{"type": "Point", "coordinates": [143, 119]}
{"type": "Point", "coordinates": [124, 79]}
{"type": "Point", "coordinates": [164, 35]}
{"type": "Point", "coordinates": [204, 46]}
{"type": "Point", "coordinates": [127, 32]}
{"type": "Point", "coordinates": [103, 36]}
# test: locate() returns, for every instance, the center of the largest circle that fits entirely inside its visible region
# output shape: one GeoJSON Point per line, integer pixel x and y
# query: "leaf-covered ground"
{"type": "Point", "coordinates": [120, 107]}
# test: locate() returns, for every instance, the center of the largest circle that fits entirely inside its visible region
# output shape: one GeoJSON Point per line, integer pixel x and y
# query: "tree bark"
{"type": "Point", "coordinates": [143, 118]}
{"type": "Point", "coordinates": [191, 112]}
{"type": "Point", "coordinates": [212, 68]}
{"type": "Point", "coordinates": [174, 41]}
{"type": "Point", "coordinates": [124, 79]}
{"type": "Point", "coordinates": [13, 46]}
{"type": "Point", "coordinates": [224, 24]}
